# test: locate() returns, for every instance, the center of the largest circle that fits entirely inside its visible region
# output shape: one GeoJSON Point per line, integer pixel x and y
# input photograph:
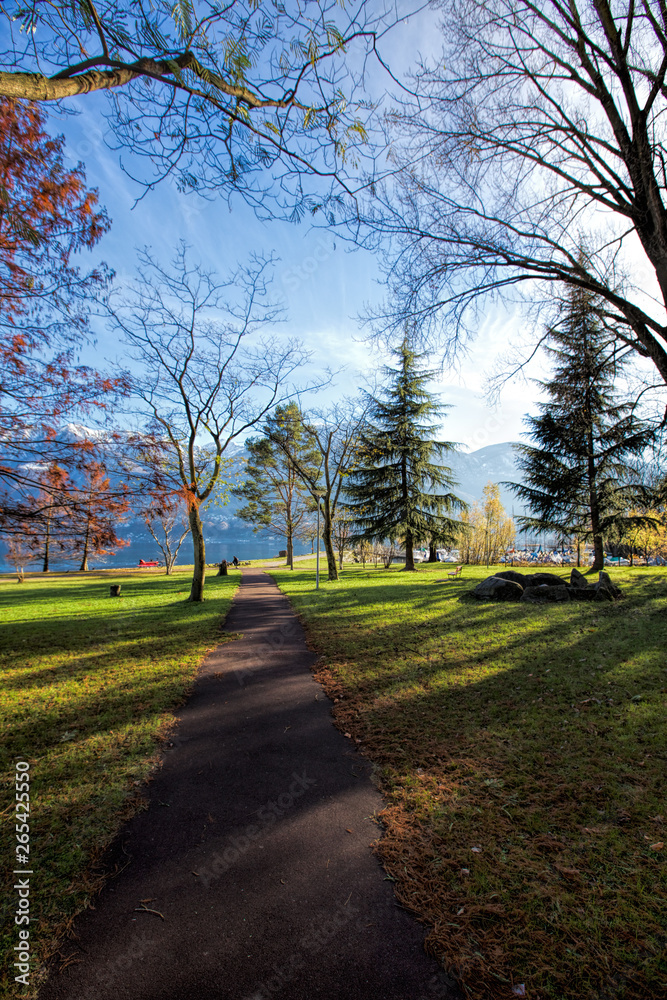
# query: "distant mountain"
{"type": "Point", "coordinates": [227, 535]}
{"type": "Point", "coordinates": [495, 463]}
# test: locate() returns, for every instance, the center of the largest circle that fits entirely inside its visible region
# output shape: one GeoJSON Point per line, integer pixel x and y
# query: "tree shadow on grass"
{"type": "Point", "coordinates": [534, 734]}
{"type": "Point", "coordinates": [86, 672]}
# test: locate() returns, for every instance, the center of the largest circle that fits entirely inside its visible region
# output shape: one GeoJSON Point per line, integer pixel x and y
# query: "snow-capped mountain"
{"type": "Point", "coordinates": [495, 463]}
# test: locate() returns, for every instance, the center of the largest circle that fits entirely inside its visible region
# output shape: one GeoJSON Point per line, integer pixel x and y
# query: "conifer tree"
{"type": "Point", "coordinates": [577, 478]}
{"type": "Point", "coordinates": [395, 491]}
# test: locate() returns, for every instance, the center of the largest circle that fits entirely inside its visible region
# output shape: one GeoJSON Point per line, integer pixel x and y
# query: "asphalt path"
{"type": "Point", "coordinates": [251, 876]}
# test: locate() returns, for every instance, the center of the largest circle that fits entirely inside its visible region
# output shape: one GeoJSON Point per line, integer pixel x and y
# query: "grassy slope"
{"type": "Point", "coordinates": [88, 685]}
{"type": "Point", "coordinates": [523, 753]}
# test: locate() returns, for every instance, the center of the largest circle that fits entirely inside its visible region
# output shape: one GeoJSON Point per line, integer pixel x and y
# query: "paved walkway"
{"type": "Point", "coordinates": [254, 850]}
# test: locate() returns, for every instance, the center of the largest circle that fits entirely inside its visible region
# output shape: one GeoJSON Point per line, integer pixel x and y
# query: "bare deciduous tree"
{"type": "Point", "coordinates": [168, 527]}
{"type": "Point", "coordinates": [539, 130]}
{"type": "Point", "coordinates": [206, 372]}
{"type": "Point", "coordinates": [332, 436]}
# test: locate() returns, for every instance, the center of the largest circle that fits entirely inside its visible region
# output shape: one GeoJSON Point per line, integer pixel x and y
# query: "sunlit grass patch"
{"type": "Point", "coordinates": [89, 684]}
{"type": "Point", "coordinates": [523, 753]}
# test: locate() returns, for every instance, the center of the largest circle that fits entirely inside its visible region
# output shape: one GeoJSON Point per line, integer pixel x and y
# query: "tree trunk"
{"type": "Point", "coordinates": [328, 543]}
{"type": "Point", "coordinates": [432, 553]}
{"type": "Point", "coordinates": [47, 541]}
{"type": "Point", "coordinates": [83, 568]}
{"type": "Point", "coordinates": [409, 554]}
{"type": "Point", "coordinates": [594, 506]}
{"type": "Point", "coordinates": [169, 566]}
{"type": "Point", "coordinates": [290, 549]}
{"type": "Point", "coordinates": [405, 495]}
{"type": "Point", "coordinates": [598, 554]}
{"type": "Point", "coordinates": [197, 532]}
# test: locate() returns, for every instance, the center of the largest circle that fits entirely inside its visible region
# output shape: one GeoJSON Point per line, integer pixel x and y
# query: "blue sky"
{"type": "Point", "coordinates": [323, 284]}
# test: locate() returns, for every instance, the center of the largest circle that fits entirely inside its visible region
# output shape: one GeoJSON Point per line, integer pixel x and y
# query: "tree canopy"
{"type": "Point", "coordinates": [206, 371]}
{"type": "Point", "coordinates": [276, 498]}
{"type": "Point", "coordinates": [216, 95]}
{"type": "Point", "coordinates": [323, 453]}
{"type": "Point", "coordinates": [533, 129]}
{"type": "Point", "coordinates": [47, 215]}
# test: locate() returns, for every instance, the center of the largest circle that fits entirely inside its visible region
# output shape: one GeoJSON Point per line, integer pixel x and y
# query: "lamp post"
{"type": "Point", "coordinates": [317, 558]}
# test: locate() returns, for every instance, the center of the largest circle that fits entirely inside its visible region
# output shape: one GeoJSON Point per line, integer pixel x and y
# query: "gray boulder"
{"type": "Point", "coordinates": [545, 594]}
{"type": "Point", "coordinates": [579, 594]}
{"type": "Point", "coordinates": [512, 574]}
{"type": "Point", "coordinates": [544, 579]}
{"type": "Point", "coordinates": [496, 588]}
{"type": "Point", "coordinates": [578, 580]}
{"type": "Point", "coordinates": [604, 583]}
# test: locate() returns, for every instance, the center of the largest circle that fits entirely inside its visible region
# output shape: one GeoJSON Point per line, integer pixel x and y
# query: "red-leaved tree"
{"type": "Point", "coordinates": [49, 534]}
{"type": "Point", "coordinates": [47, 214]}
{"type": "Point", "coordinates": [95, 513]}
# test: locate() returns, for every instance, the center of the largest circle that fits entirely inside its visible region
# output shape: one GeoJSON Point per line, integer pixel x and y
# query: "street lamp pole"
{"type": "Point", "coordinates": [317, 560]}
{"type": "Point", "coordinates": [318, 496]}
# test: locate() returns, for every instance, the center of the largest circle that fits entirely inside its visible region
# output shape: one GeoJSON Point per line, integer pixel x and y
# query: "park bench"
{"type": "Point", "coordinates": [456, 571]}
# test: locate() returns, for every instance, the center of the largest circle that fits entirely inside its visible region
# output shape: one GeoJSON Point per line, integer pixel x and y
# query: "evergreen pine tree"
{"type": "Point", "coordinates": [577, 480]}
{"type": "Point", "coordinates": [393, 492]}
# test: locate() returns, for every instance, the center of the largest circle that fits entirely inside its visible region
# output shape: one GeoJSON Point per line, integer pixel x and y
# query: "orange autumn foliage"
{"type": "Point", "coordinates": [47, 215]}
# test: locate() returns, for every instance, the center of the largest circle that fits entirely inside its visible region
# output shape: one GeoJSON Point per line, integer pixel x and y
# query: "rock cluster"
{"type": "Point", "coordinates": [545, 588]}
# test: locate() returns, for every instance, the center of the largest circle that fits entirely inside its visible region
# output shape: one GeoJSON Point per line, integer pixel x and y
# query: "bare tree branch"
{"type": "Point", "coordinates": [216, 94]}
{"type": "Point", "coordinates": [538, 131]}
{"type": "Point", "coordinates": [206, 372]}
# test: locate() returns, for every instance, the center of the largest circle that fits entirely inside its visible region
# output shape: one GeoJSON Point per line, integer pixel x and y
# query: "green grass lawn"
{"type": "Point", "coordinates": [89, 683]}
{"type": "Point", "coordinates": [522, 750]}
